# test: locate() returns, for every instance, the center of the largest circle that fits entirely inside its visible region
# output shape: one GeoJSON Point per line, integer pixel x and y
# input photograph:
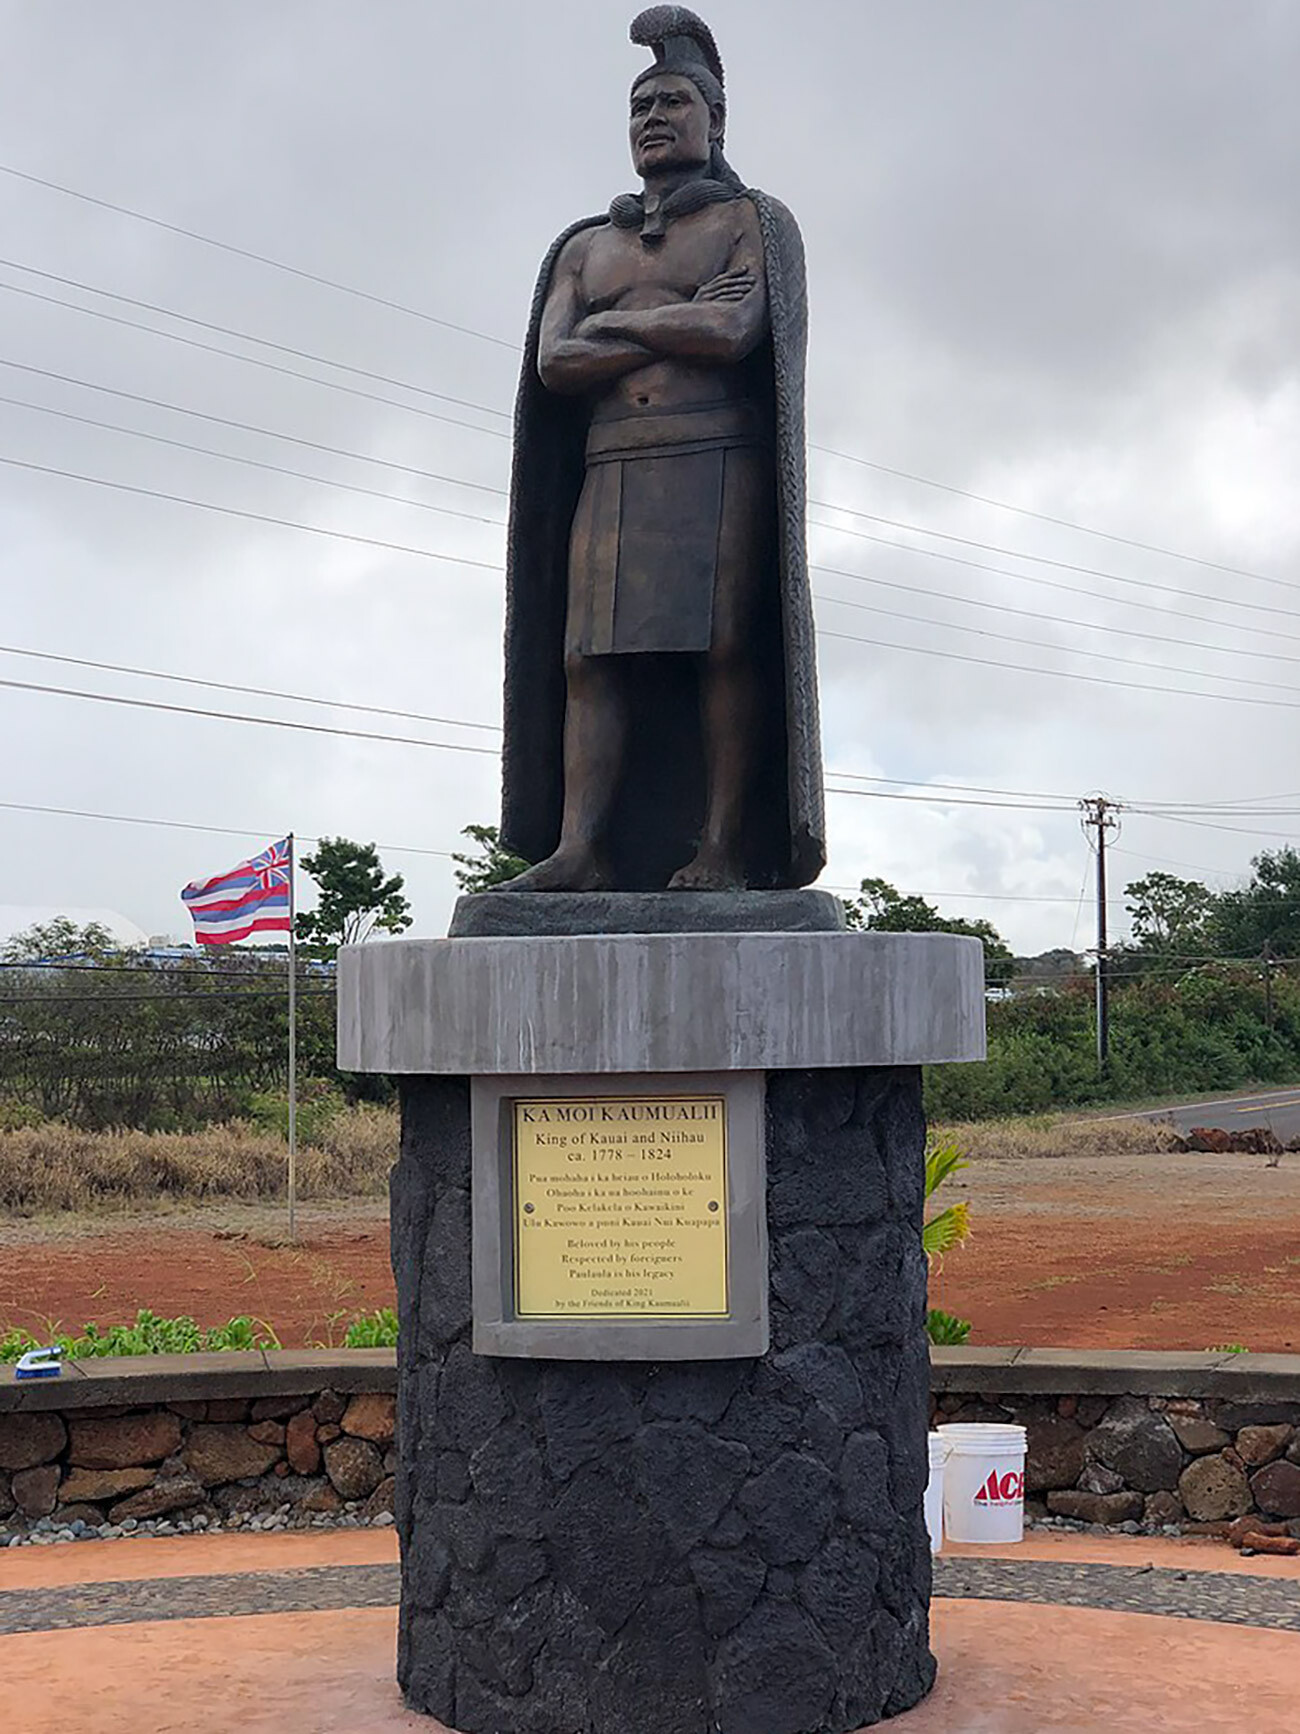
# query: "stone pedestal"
{"type": "Point", "coordinates": [611, 1545]}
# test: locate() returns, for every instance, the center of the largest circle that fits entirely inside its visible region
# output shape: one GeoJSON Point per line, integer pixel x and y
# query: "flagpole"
{"type": "Point", "coordinates": [293, 1056]}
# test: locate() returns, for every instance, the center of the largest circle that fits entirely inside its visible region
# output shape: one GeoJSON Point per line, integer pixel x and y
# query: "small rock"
{"type": "Point", "coordinates": [219, 1453]}
{"type": "Point", "coordinates": [1197, 1435]}
{"type": "Point", "coordinates": [1276, 1488]}
{"type": "Point", "coordinates": [28, 1440]}
{"type": "Point", "coordinates": [267, 1432]}
{"type": "Point", "coordinates": [354, 1467]}
{"type": "Point", "coordinates": [300, 1443]}
{"type": "Point", "coordinates": [35, 1490]}
{"type": "Point", "coordinates": [371, 1415]}
{"type": "Point", "coordinates": [124, 1441]}
{"type": "Point", "coordinates": [1213, 1489]}
{"type": "Point", "coordinates": [1257, 1446]}
{"type": "Point", "coordinates": [1107, 1509]}
{"type": "Point", "coordinates": [327, 1432]}
{"type": "Point", "coordinates": [1161, 1509]}
{"type": "Point", "coordinates": [329, 1407]}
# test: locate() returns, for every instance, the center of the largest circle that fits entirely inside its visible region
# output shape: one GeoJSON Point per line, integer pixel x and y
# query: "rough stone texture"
{"type": "Point", "coordinates": [371, 1415]}
{"type": "Point", "coordinates": [354, 1467]}
{"type": "Point", "coordinates": [275, 1408]}
{"type": "Point", "coordinates": [226, 1409]}
{"type": "Point", "coordinates": [221, 1451]}
{"type": "Point", "coordinates": [1138, 1445]}
{"type": "Point", "coordinates": [26, 1440]}
{"type": "Point", "coordinates": [1198, 1435]}
{"type": "Point", "coordinates": [1054, 1453]}
{"type": "Point", "coordinates": [1276, 1489]}
{"type": "Point", "coordinates": [6, 1495]}
{"type": "Point", "coordinates": [726, 1545]}
{"type": "Point", "coordinates": [329, 1408]}
{"type": "Point", "coordinates": [1096, 1507]}
{"type": "Point", "coordinates": [1096, 1478]}
{"type": "Point", "coordinates": [125, 1441]}
{"type": "Point", "coordinates": [300, 1443]}
{"type": "Point", "coordinates": [35, 1490]}
{"type": "Point", "coordinates": [1259, 1445]}
{"type": "Point", "coordinates": [1161, 1509]}
{"type": "Point", "coordinates": [1212, 1489]}
{"type": "Point", "coordinates": [92, 1484]}
{"type": "Point", "coordinates": [267, 1432]}
{"type": "Point", "coordinates": [551, 914]}
{"type": "Point", "coordinates": [177, 1493]}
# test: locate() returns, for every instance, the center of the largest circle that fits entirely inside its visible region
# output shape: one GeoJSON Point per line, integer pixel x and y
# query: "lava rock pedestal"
{"type": "Point", "coordinates": [610, 1545]}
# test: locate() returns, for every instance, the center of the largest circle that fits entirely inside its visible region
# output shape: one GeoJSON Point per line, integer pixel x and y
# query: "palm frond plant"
{"type": "Point", "coordinates": [949, 1228]}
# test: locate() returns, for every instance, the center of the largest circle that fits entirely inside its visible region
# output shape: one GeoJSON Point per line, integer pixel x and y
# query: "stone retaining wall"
{"type": "Point", "coordinates": [1153, 1441]}
{"type": "Point", "coordinates": [197, 1446]}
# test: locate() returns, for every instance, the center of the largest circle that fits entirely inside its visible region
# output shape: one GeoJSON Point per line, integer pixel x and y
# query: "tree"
{"type": "Point", "coordinates": [1263, 915]}
{"type": "Point", "coordinates": [354, 898]}
{"type": "Point", "coordinates": [884, 909]}
{"type": "Point", "coordinates": [1169, 915]}
{"type": "Point", "coordinates": [58, 941]}
{"type": "Point", "coordinates": [493, 865]}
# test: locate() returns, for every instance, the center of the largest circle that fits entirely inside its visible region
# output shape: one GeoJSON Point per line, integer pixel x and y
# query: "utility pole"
{"type": "Point", "coordinates": [1101, 820]}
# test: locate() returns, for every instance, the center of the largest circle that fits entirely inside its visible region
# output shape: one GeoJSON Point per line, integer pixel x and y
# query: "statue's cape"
{"type": "Point", "coordinates": [658, 822]}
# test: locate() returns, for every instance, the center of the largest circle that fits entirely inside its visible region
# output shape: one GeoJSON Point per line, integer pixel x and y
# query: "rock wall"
{"type": "Point", "coordinates": [710, 1545]}
{"type": "Point", "coordinates": [1149, 1462]}
{"type": "Point", "coordinates": [226, 1461]}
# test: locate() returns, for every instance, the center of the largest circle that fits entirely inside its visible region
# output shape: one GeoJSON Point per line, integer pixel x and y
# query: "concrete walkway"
{"type": "Point", "coordinates": [259, 1634]}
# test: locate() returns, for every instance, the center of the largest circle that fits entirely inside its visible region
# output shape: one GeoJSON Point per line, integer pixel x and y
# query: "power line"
{"type": "Point", "coordinates": [251, 427]}
{"type": "Point", "coordinates": [174, 998]}
{"type": "Point", "coordinates": [253, 517]}
{"type": "Point", "coordinates": [1067, 673]}
{"type": "Point", "coordinates": [486, 337]}
{"type": "Point", "coordinates": [1031, 578]}
{"type": "Point", "coordinates": [232, 716]}
{"type": "Point", "coordinates": [253, 360]}
{"type": "Point", "coordinates": [252, 691]}
{"type": "Point", "coordinates": [1042, 517]}
{"type": "Point", "coordinates": [254, 831]}
{"type": "Point", "coordinates": [250, 337]}
{"type": "Point", "coordinates": [1059, 649]}
{"type": "Point", "coordinates": [1057, 619]}
{"type": "Point", "coordinates": [251, 463]}
{"type": "Point", "coordinates": [1044, 560]}
{"type": "Point", "coordinates": [258, 258]}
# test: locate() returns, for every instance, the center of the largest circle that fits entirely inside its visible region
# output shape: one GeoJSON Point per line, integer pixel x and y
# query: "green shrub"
{"type": "Point", "coordinates": [944, 1330]}
{"type": "Point", "coordinates": [376, 1330]}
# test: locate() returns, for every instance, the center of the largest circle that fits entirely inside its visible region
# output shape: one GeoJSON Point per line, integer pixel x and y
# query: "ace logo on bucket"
{"type": "Point", "coordinates": [1007, 1489]}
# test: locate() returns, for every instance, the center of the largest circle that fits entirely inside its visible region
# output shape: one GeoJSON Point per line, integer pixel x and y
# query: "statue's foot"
{"type": "Point", "coordinates": [569, 869]}
{"type": "Point", "coordinates": [711, 870]}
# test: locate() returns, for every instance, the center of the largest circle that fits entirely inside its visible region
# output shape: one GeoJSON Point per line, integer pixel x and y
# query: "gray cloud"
{"type": "Point", "coordinates": [1054, 260]}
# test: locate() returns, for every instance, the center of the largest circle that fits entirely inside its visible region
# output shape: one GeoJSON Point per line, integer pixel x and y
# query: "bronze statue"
{"type": "Point", "coordinates": [661, 709]}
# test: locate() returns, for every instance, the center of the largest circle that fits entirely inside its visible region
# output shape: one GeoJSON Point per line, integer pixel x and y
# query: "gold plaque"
{"type": "Point", "coordinates": [620, 1206]}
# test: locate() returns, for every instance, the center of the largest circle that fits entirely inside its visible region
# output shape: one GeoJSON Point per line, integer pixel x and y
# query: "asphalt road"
{"type": "Point", "coordinates": [1279, 1109]}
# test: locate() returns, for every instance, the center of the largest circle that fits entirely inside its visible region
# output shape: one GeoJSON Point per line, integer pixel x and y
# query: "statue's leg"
{"type": "Point", "coordinates": [595, 732]}
{"type": "Point", "coordinates": [731, 697]}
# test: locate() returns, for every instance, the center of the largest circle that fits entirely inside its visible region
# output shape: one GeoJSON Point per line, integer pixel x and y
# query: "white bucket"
{"type": "Point", "coordinates": [934, 1491]}
{"type": "Point", "coordinates": [984, 1482]}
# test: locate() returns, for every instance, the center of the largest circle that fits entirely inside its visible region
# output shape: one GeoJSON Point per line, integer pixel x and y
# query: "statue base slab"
{"type": "Point", "coordinates": [561, 914]}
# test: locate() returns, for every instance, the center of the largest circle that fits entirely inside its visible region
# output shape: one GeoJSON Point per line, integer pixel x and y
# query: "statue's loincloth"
{"type": "Point", "coordinates": [667, 514]}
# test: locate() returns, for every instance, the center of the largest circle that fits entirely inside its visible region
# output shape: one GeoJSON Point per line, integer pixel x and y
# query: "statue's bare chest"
{"type": "Point", "coordinates": [620, 270]}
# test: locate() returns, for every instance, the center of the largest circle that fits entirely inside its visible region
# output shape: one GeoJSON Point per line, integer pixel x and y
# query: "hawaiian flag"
{"type": "Point", "coordinates": [252, 898]}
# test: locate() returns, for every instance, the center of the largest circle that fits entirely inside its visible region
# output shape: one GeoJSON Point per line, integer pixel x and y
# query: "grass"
{"type": "Point", "coordinates": [149, 1334]}
{"type": "Point", "coordinates": [1065, 1135]}
{"type": "Point", "coordinates": [53, 1167]}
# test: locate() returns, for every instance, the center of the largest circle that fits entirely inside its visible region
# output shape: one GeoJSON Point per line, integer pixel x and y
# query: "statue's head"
{"type": "Point", "coordinates": [679, 104]}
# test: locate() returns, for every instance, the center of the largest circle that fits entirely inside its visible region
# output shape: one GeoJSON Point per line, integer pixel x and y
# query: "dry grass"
{"type": "Point", "coordinates": [1058, 1135]}
{"type": "Point", "coordinates": [53, 1167]}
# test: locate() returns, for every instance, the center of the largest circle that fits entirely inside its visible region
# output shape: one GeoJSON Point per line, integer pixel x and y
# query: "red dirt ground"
{"type": "Point", "coordinates": [1120, 1252]}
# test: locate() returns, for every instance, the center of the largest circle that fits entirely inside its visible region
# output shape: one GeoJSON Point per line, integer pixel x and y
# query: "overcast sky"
{"type": "Point", "coordinates": [1054, 260]}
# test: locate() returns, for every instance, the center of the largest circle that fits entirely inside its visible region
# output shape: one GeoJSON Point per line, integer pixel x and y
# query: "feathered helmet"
{"type": "Point", "coordinates": [682, 44]}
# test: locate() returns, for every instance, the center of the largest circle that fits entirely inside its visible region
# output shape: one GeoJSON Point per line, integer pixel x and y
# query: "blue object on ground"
{"type": "Point", "coordinates": [40, 1364]}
